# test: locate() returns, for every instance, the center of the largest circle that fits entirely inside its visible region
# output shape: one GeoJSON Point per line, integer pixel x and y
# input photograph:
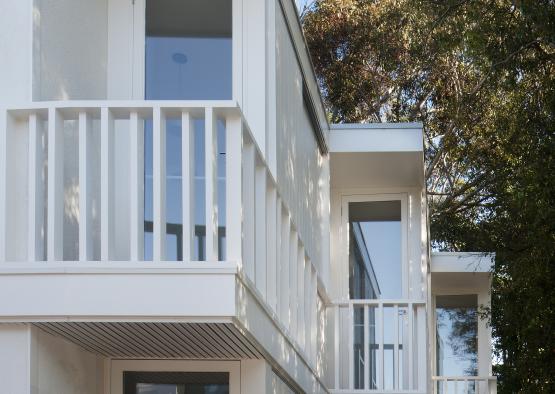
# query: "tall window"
{"type": "Point", "coordinates": [456, 336]}
{"type": "Point", "coordinates": [375, 249]}
{"type": "Point", "coordinates": [188, 56]}
{"type": "Point", "coordinates": [176, 382]}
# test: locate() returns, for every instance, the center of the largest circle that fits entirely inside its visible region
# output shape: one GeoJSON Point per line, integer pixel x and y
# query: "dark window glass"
{"type": "Point", "coordinates": [175, 382]}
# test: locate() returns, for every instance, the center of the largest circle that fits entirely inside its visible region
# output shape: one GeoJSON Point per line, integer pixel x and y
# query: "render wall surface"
{"type": "Point", "coordinates": [301, 169]}
{"type": "Point", "coordinates": [69, 49]}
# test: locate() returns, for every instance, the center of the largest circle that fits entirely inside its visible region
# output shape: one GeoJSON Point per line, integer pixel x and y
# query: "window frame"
{"type": "Point", "coordinates": [344, 236]}
{"type": "Point", "coordinates": [117, 368]}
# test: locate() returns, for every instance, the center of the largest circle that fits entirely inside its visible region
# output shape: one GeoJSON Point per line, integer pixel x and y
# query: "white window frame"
{"type": "Point", "coordinates": [119, 366]}
{"type": "Point", "coordinates": [344, 238]}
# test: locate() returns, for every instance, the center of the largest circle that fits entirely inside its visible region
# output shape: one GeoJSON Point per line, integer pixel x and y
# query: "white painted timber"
{"type": "Point", "coordinates": [85, 191]}
{"type": "Point", "coordinates": [260, 228]}
{"type": "Point", "coordinates": [137, 188]}
{"type": "Point", "coordinates": [462, 262]}
{"type": "Point", "coordinates": [159, 184]}
{"type": "Point", "coordinates": [211, 176]}
{"type": "Point", "coordinates": [55, 185]}
{"type": "Point", "coordinates": [36, 191]}
{"type": "Point", "coordinates": [248, 169]}
{"type": "Point", "coordinates": [106, 184]}
{"type": "Point", "coordinates": [188, 183]}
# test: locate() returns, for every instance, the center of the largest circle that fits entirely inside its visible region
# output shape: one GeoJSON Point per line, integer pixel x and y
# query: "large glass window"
{"type": "Point", "coordinates": [375, 250]}
{"type": "Point", "coordinates": [188, 56]}
{"type": "Point", "coordinates": [188, 50]}
{"type": "Point", "coordinates": [456, 336]}
{"type": "Point", "coordinates": [176, 382]}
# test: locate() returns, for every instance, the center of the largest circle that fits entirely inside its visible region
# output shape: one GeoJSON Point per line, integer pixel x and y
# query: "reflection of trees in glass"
{"type": "Point", "coordinates": [463, 335]}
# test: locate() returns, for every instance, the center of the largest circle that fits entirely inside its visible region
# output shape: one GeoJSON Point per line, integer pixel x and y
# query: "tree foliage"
{"type": "Point", "coordinates": [480, 75]}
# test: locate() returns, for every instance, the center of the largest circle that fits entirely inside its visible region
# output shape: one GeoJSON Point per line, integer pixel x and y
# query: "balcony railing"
{"type": "Point", "coordinates": [464, 385]}
{"type": "Point", "coordinates": [73, 187]}
{"type": "Point", "coordinates": [380, 346]}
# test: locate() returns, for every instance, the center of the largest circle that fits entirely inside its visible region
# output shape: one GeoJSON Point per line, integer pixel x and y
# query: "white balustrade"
{"type": "Point", "coordinates": [260, 233]}
{"type": "Point", "coordinates": [374, 346]}
{"type": "Point", "coordinates": [464, 384]}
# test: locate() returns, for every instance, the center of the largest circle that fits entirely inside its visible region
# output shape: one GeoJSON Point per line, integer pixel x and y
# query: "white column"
{"type": "Point", "coordinates": [188, 184]}
{"type": "Point", "coordinates": [106, 184]}
{"type": "Point", "coordinates": [234, 209]}
{"type": "Point", "coordinates": [159, 184]}
{"type": "Point", "coordinates": [36, 190]}
{"type": "Point", "coordinates": [137, 187]}
{"type": "Point", "coordinates": [211, 177]}
{"type": "Point", "coordinates": [55, 235]}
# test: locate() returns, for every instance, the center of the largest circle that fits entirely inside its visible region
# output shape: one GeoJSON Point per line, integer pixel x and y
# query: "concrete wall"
{"type": "Point", "coordinates": [69, 49]}
{"type": "Point", "coordinates": [302, 172]}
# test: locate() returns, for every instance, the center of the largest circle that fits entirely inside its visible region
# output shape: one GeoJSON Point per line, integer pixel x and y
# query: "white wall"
{"type": "Point", "coordinates": [64, 368]}
{"type": "Point", "coordinates": [69, 49]}
{"type": "Point", "coordinates": [302, 172]}
{"type": "Point", "coordinates": [15, 361]}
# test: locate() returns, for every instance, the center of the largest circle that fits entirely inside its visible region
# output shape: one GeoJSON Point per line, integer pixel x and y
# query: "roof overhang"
{"type": "Point", "coordinates": [460, 272]}
{"type": "Point", "coordinates": [377, 155]}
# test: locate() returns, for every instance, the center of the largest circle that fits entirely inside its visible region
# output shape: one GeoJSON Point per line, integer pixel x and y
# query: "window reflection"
{"type": "Point", "coordinates": [457, 337]}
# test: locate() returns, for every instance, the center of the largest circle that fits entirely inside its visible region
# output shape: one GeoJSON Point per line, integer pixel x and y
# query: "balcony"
{"type": "Point", "coordinates": [90, 225]}
{"type": "Point", "coordinates": [464, 384]}
{"type": "Point", "coordinates": [380, 346]}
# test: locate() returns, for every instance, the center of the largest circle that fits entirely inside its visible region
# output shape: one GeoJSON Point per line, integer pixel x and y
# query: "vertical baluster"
{"type": "Point", "coordinates": [293, 296]}
{"type": "Point", "coordinates": [159, 184]}
{"type": "Point", "coordinates": [260, 227]}
{"type": "Point", "coordinates": [211, 176]}
{"type": "Point", "coordinates": [285, 287]}
{"type": "Point", "coordinates": [234, 208]}
{"type": "Point", "coordinates": [381, 374]}
{"type": "Point", "coordinates": [107, 184]}
{"type": "Point", "coordinates": [366, 348]}
{"type": "Point", "coordinates": [36, 191]}
{"type": "Point", "coordinates": [249, 165]}
{"type": "Point", "coordinates": [188, 182]}
{"type": "Point", "coordinates": [137, 187]}
{"type": "Point", "coordinates": [279, 262]}
{"type": "Point", "coordinates": [314, 309]}
{"type": "Point", "coordinates": [271, 244]}
{"type": "Point", "coordinates": [351, 345]}
{"type": "Point", "coordinates": [55, 185]}
{"type": "Point", "coordinates": [299, 335]}
{"type": "Point", "coordinates": [336, 347]}
{"type": "Point", "coordinates": [85, 162]}
{"type": "Point", "coordinates": [410, 334]}
{"type": "Point", "coordinates": [3, 180]}
{"type": "Point", "coordinates": [396, 380]}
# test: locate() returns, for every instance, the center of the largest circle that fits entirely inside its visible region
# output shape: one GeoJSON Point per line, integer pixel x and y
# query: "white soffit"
{"type": "Point", "coordinates": [462, 262]}
{"type": "Point", "coordinates": [377, 155]}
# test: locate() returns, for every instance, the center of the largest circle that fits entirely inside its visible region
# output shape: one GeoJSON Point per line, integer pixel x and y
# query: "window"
{"type": "Point", "coordinates": [188, 50]}
{"type": "Point", "coordinates": [188, 56]}
{"type": "Point", "coordinates": [375, 250]}
{"type": "Point", "coordinates": [175, 382]}
{"type": "Point", "coordinates": [456, 335]}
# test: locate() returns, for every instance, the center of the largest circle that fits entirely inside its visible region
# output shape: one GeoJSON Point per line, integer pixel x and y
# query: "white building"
{"type": "Point", "coordinates": [177, 216]}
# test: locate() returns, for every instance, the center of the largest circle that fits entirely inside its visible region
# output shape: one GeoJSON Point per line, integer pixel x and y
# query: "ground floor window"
{"type": "Point", "coordinates": [141, 382]}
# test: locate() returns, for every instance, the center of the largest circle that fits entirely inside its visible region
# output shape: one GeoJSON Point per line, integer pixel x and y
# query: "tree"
{"type": "Point", "coordinates": [480, 75]}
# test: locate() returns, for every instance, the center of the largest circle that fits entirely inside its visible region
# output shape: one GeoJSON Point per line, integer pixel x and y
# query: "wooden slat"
{"type": "Point", "coordinates": [285, 255]}
{"type": "Point", "coordinates": [301, 297]}
{"type": "Point", "coordinates": [279, 259]}
{"type": "Point", "coordinates": [396, 380]}
{"type": "Point", "coordinates": [211, 177]}
{"type": "Point", "coordinates": [410, 354]}
{"type": "Point", "coordinates": [55, 233]}
{"type": "Point", "coordinates": [293, 295]}
{"type": "Point", "coordinates": [85, 191]}
{"type": "Point", "coordinates": [3, 181]}
{"type": "Point", "coordinates": [337, 361]}
{"type": "Point", "coordinates": [159, 184]}
{"type": "Point", "coordinates": [381, 373]}
{"type": "Point", "coordinates": [234, 209]}
{"type": "Point", "coordinates": [137, 187]}
{"type": "Point", "coordinates": [350, 349]}
{"type": "Point", "coordinates": [106, 184]}
{"type": "Point", "coordinates": [188, 184]}
{"type": "Point", "coordinates": [36, 191]}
